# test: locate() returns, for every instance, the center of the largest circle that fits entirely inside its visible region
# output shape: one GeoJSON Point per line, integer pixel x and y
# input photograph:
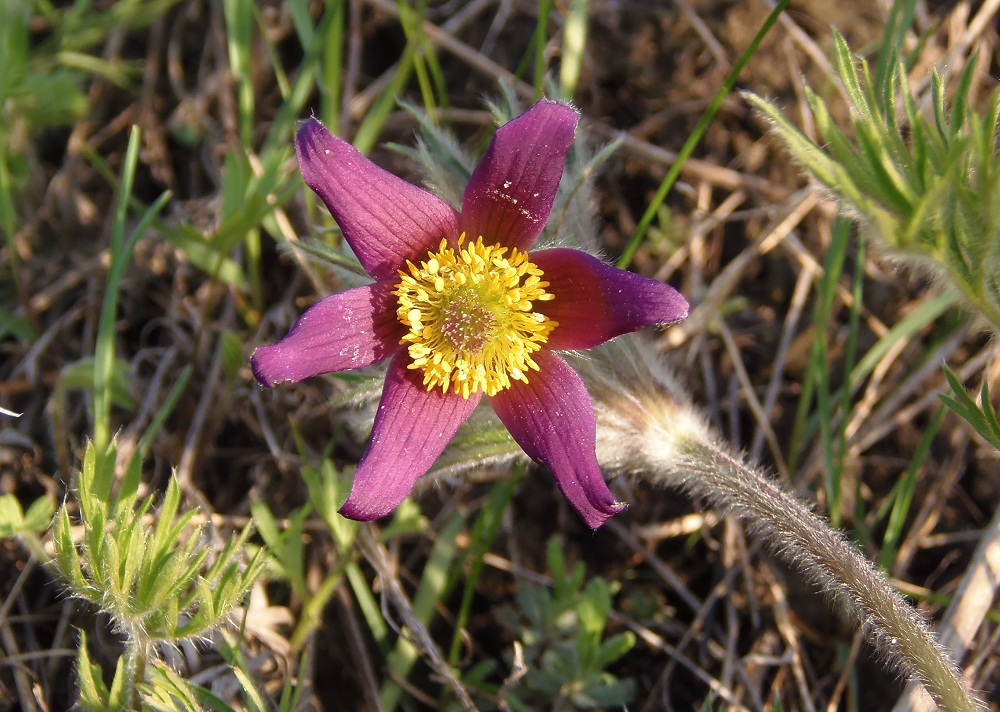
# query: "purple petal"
{"type": "Point", "coordinates": [552, 419]}
{"type": "Point", "coordinates": [594, 302]}
{"type": "Point", "coordinates": [385, 220]}
{"type": "Point", "coordinates": [509, 196]}
{"type": "Point", "coordinates": [351, 329]}
{"type": "Point", "coordinates": [412, 427]}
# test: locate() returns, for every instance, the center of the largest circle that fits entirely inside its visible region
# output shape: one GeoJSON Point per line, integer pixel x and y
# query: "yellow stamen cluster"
{"type": "Point", "coordinates": [469, 313]}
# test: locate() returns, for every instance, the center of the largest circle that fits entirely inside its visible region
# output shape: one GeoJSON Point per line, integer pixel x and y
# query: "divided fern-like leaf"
{"type": "Point", "coordinates": [926, 185]}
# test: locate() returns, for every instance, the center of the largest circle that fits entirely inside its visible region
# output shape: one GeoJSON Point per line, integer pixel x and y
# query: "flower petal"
{"type": "Point", "coordinates": [593, 301]}
{"type": "Point", "coordinates": [552, 419]}
{"type": "Point", "coordinates": [385, 219]}
{"type": "Point", "coordinates": [509, 196]}
{"type": "Point", "coordinates": [412, 428]}
{"type": "Point", "coordinates": [351, 329]}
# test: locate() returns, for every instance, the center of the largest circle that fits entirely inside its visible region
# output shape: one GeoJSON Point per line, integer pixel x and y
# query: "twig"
{"type": "Point", "coordinates": [968, 608]}
{"type": "Point", "coordinates": [418, 634]}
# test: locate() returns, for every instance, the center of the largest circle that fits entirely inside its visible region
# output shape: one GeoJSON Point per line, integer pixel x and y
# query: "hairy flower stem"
{"type": "Point", "coordinates": [135, 666]}
{"type": "Point", "coordinates": [705, 470]}
{"type": "Point", "coordinates": [648, 428]}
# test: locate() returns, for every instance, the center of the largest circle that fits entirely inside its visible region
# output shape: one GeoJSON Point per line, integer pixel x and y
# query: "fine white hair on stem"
{"type": "Point", "coordinates": [648, 428]}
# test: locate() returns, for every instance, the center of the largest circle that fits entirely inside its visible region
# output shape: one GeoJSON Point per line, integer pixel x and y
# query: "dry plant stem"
{"type": "Point", "coordinates": [968, 608]}
{"type": "Point", "coordinates": [418, 635]}
{"type": "Point", "coordinates": [899, 632]}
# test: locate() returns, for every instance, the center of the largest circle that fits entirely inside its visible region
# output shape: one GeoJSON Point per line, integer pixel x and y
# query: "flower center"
{"type": "Point", "coordinates": [470, 319]}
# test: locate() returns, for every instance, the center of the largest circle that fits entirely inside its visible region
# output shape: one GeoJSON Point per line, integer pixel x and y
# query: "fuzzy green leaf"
{"type": "Point", "coordinates": [981, 417]}
{"type": "Point", "coordinates": [615, 647]}
{"type": "Point", "coordinates": [67, 560]}
{"type": "Point", "coordinates": [927, 186]}
{"type": "Point", "coordinates": [94, 693]}
{"type": "Point", "coordinates": [167, 691]}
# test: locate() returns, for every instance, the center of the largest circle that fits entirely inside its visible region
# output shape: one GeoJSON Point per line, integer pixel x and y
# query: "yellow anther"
{"type": "Point", "coordinates": [469, 313]}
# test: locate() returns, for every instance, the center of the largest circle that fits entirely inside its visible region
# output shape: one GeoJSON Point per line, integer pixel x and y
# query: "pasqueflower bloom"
{"type": "Point", "coordinates": [462, 310]}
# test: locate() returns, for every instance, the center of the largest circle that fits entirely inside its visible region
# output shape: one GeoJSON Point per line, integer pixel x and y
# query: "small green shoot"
{"type": "Point", "coordinates": [157, 583]}
{"type": "Point", "coordinates": [121, 249]}
{"type": "Point", "coordinates": [982, 417]}
{"type": "Point", "coordinates": [562, 629]}
{"type": "Point", "coordinates": [26, 526]}
{"type": "Point", "coordinates": [926, 185]}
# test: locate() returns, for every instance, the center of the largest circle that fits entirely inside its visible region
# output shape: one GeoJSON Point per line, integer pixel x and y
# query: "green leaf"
{"type": "Point", "coordinates": [205, 256]}
{"type": "Point", "coordinates": [594, 606]}
{"type": "Point", "coordinates": [14, 522]}
{"type": "Point", "coordinates": [327, 492]}
{"type": "Point", "coordinates": [408, 519]}
{"type": "Point", "coordinates": [285, 546]}
{"type": "Point", "coordinates": [16, 326]}
{"type": "Point", "coordinates": [11, 516]}
{"type": "Point", "coordinates": [902, 495]}
{"type": "Point", "coordinates": [167, 691]}
{"type": "Point", "coordinates": [118, 694]}
{"type": "Point", "coordinates": [615, 647]}
{"type": "Point", "coordinates": [904, 330]}
{"type": "Point", "coordinates": [609, 694]}
{"type": "Point", "coordinates": [79, 375]}
{"type": "Point", "coordinates": [123, 497]}
{"type": "Point", "coordinates": [94, 693]}
{"type": "Point", "coordinates": [131, 541]}
{"type": "Point", "coordinates": [67, 560]}
{"type": "Point", "coordinates": [981, 417]}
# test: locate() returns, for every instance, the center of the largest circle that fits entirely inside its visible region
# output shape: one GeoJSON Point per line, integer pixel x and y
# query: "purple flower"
{"type": "Point", "coordinates": [462, 309]}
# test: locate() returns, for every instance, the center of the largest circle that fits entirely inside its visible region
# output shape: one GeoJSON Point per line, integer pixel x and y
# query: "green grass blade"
{"type": "Point", "coordinates": [483, 534]}
{"type": "Point", "coordinates": [699, 131]}
{"type": "Point", "coordinates": [539, 42]}
{"type": "Point", "coordinates": [825, 411]}
{"type": "Point", "coordinates": [903, 495]}
{"type": "Point", "coordinates": [905, 329]}
{"type": "Point", "coordinates": [332, 61]}
{"type": "Point", "coordinates": [239, 16]}
{"type": "Point", "coordinates": [574, 43]}
{"type": "Point", "coordinates": [430, 592]}
{"type": "Point", "coordinates": [121, 255]}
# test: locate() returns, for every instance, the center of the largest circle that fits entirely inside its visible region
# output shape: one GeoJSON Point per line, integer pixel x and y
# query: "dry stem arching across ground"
{"type": "Point", "coordinates": [742, 236]}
